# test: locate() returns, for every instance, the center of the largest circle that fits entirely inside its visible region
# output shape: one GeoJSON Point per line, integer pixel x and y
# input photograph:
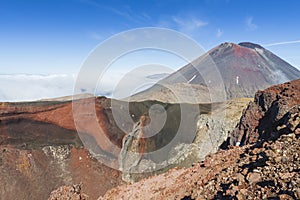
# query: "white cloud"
{"type": "Point", "coordinates": [251, 26]}
{"type": "Point", "coordinates": [123, 84]}
{"type": "Point", "coordinates": [94, 35]}
{"type": "Point", "coordinates": [219, 33]}
{"type": "Point", "coordinates": [282, 43]}
{"type": "Point", "coordinates": [123, 11]}
{"type": "Point", "coordinates": [188, 25]}
{"type": "Point", "coordinates": [28, 87]}
{"type": "Point", "coordinates": [23, 87]}
{"type": "Point", "coordinates": [163, 23]}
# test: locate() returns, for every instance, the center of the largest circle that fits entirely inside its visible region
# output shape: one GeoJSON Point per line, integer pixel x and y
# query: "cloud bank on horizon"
{"type": "Point", "coordinates": [29, 87]}
{"type": "Point", "coordinates": [26, 87]}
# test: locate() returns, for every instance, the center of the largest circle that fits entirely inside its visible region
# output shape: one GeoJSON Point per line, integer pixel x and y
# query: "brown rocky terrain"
{"type": "Point", "coordinates": [41, 149]}
{"type": "Point", "coordinates": [34, 173]}
{"type": "Point", "coordinates": [247, 172]}
{"type": "Point", "coordinates": [266, 166]}
{"type": "Point", "coordinates": [68, 192]}
{"type": "Point", "coordinates": [59, 116]}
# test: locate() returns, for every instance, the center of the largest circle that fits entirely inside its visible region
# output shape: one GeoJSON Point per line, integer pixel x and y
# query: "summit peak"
{"type": "Point", "coordinates": [250, 45]}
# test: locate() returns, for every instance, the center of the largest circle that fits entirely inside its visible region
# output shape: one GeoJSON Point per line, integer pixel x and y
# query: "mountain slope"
{"type": "Point", "coordinates": [244, 69]}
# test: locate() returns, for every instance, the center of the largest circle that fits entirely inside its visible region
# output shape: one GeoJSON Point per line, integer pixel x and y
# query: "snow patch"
{"type": "Point", "coordinates": [192, 78]}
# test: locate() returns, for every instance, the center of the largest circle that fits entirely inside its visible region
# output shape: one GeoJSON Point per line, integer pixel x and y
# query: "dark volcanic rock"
{"type": "Point", "coordinates": [275, 111]}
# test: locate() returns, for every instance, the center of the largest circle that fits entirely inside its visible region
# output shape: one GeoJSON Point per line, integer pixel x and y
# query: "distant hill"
{"type": "Point", "coordinates": [70, 98]}
{"type": "Point", "coordinates": [244, 69]}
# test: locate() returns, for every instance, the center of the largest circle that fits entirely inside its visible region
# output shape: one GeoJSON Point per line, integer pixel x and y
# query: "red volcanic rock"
{"type": "Point", "coordinates": [38, 120]}
{"type": "Point", "coordinates": [40, 148]}
{"type": "Point", "coordinates": [275, 111]}
{"type": "Point", "coordinates": [33, 174]}
{"type": "Point", "coordinates": [68, 192]}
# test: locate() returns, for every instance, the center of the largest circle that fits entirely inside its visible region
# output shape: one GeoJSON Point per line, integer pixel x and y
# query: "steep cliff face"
{"type": "Point", "coordinates": [143, 156]}
{"type": "Point", "coordinates": [275, 111]}
{"type": "Point", "coordinates": [53, 123]}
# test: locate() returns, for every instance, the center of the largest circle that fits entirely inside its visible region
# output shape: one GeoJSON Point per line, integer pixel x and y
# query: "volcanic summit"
{"type": "Point", "coordinates": [244, 68]}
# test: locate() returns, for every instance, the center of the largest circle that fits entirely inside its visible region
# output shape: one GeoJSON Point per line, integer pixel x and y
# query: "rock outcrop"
{"type": "Point", "coordinates": [275, 111]}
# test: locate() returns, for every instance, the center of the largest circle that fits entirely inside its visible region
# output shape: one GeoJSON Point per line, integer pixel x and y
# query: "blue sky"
{"type": "Point", "coordinates": [43, 43]}
{"type": "Point", "coordinates": [55, 36]}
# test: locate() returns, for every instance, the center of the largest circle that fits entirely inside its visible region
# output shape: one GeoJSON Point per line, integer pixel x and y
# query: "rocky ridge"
{"type": "Point", "coordinates": [275, 111]}
{"type": "Point", "coordinates": [248, 172]}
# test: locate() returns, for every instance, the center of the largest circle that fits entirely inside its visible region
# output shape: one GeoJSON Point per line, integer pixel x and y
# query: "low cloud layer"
{"type": "Point", "coordinates": [23, 87]}
{"type": "Point", "coordinates": [26, 87]}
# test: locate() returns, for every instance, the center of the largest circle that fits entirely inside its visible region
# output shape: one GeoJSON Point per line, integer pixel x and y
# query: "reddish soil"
{"type": "Point", "coordinates": [93, 112]}
{"type": "Point", "coordinates": [40, 149]}
{"type": "Point", "coordinates": [33, 174]}
{"type": "Point", "coordinates": [245, 52]}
